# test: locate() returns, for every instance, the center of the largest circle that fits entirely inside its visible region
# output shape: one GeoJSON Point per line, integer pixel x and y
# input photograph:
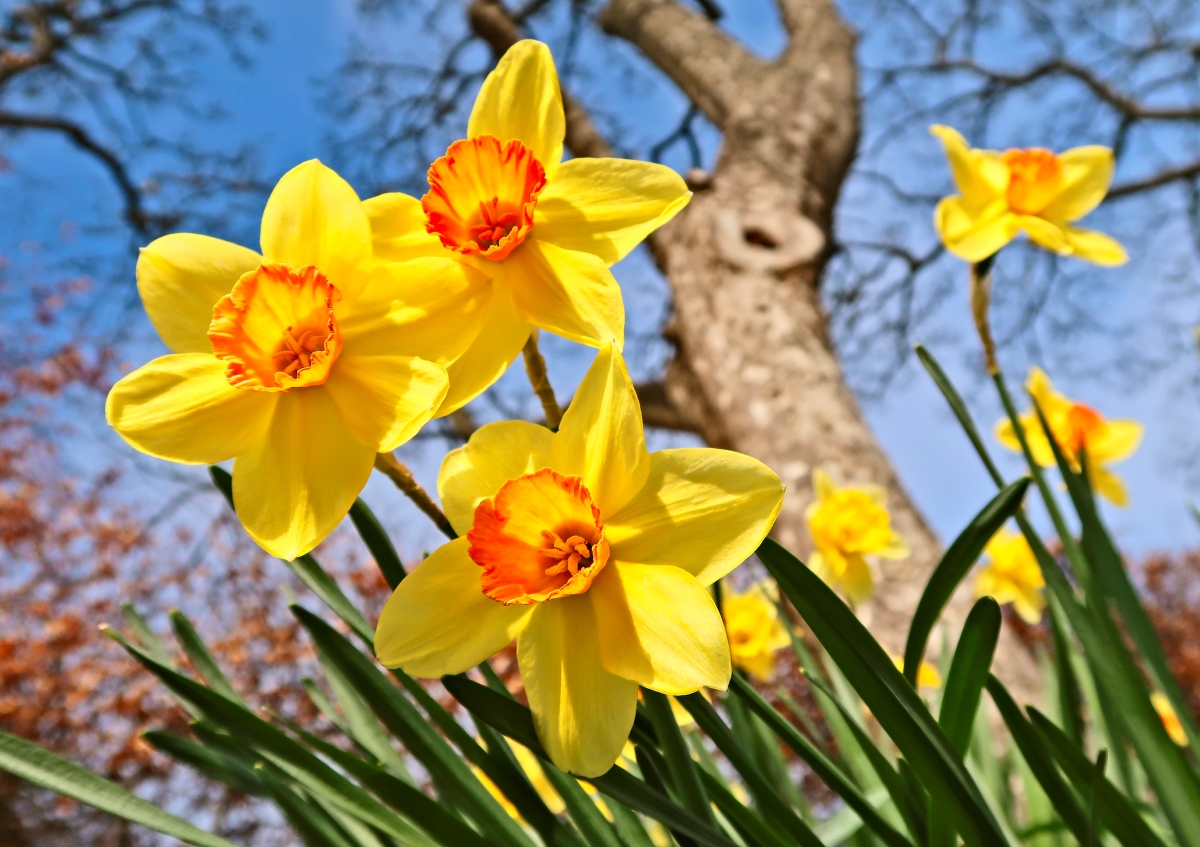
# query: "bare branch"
{"type": "Point", "coordinates": [1164, 177]}
{"type": "Point", "coordinates": [658, 410]}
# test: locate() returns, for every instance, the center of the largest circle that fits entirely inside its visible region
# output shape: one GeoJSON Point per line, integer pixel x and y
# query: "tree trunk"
{"type": "Point", "coordinates": [755, 368]}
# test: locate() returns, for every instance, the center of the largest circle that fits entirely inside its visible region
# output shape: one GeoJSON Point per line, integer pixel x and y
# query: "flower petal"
{"type": "Point", "coordinates": [1095, 247]}
{"type": "Point", "coordinates": [300, 481]}
{"type": "Point", "coordinates": [499, 342]}
{"type": "Point", "coordinates": [398, 231]}
{"type": "Point", "coordinates": [659, 627]}
{"type": "Point", "coordinates": [1118, 440]}
{"type": "Point", "coordinates": [582, 713]}
{"type": "Point", "coordinates": [606, 207]}
{"type": "Point", "coordinates": [979, 174]}
{"type": "Point", "coordinates": [1087, 172]}
{"type": "Point", "coordinates": [496, 453]}
{"type": "Point", "coordinates": [973, 236]}
{"type": "Point", "coordinates": [520, 99]}
{"type": "Point", "coordinates": [601, 437]}
{"type": "Point", "coordinates": [431, 307]}
{"type": "Point", "coordinates": [384, 400]}
{"type": "Point", "coordinates": [313, 217]}
{"type": "Point", "coordinates": [182, 409]}
{"type": "Point", "coordinates": [181, 277]}
{"type": "Point", "coordinates": [421, 631]}
{"type": "Point", "coordinates": [1044, 233]}
{"type": "Point", "coordinates": [1109, 486]}
{"type": "Point", "coordinates": [703, 510]}
{"type": "Point", "coordinates": [567, 292]}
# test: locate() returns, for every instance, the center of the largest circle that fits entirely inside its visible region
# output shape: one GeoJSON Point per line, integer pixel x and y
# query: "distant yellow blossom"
{"type": "Point", "coordinates": [1075, 426]}
{"type": "Point", "coordinates": [755, 631]}
{"type": "Point", "coordinates": [1013, 576]}
{"type": "Point", "coordinates": [1033, 191]}
{"type": "Point", "coordinates": [847, 525]}
{"type": "Point", "coordinates": [927, 674]}
{"type": "Point", "coordinates": [1166, 714]}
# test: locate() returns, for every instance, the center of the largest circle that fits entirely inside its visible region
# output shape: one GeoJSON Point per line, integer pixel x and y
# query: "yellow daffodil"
{"type": "Point", "coordinates": [1013, 575]}
{"type": "Point", "coordinates": [299, 364]}
{"type": "Point", "coordinates": [847, 525]}
{"type": "Point", "coordinates": [594, 554]}
{"type": "Point", "coordinates": [755, 631]}
{"type": "Point", "coordinates": [1170, 720]}
{"type": "Point", "coordinates": [927, 674]}
{"type": "Point", "coordinates": [546, 231]}
{"type": "Point", "coordinates": [1076, 427]}
{"type": "Point", "coordinates": [1033, 191]}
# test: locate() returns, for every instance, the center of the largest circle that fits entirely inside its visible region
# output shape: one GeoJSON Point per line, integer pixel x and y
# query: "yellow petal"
{"type": "Point", "coordinates": [567, 292]}
{"type": "Point", "coordinates": [1043, 233]}
{"type": "Point", "coordinates": [973, 237]}
{"type": "Point", "coordinates": [384, 400]}
{"type": "Point", "coordinates": [1087, 173]}
{"type": "Point", "coordinates": [1118, 440]}
{"type": "Point", "coordinates": [182, 409]}
{"type": "Point", "coordinates": [857, 582]}
{"type": "Point", "coordinates": [1040, 388]}
{"type": "Point", "coordinates": [398, 231]}
{"type": "Point", "coordinates": [660, 628]}
{"type": "Point", "coordinates": [979, 174]}
{"type": "Point", "coordinates": [432, 308]}
{"type": "Point", "coordinates": [496, 453]}
{"type": "Point", "coordinates": [582, 713]}
{"type": "Point", "coordinates": [701, 509]}
{"type": "Point", "coordinates": [1109, 486]}
{"type": "Point", "coordinates": [520, 99]}
{"type": "Point", "coordinates": [421, 629]}
{"type": "Point", "coordinates": [601, 438]}
{"type": "Point", "coordinates": [607, 206]}
{"type": "Point", "coordinates": [300, 481]}
{"type": "Point", "coordinates": [1095, 247]}
{"type": "Point", "coordinates": [897, 548]}
{"type": "Point", "coordinates": [498, 343]}
{"type": "Point", "coordinates": [823, 484]}
{"type": "Point", "coordinates": [313, 217]}
{"type": "Point", "coordinates": [181, 277]}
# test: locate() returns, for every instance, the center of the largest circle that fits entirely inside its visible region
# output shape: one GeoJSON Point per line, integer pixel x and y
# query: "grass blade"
{"type": "Point", "coordinates": [682, 769]}
{"type": "Point", "coordinates": [202, 660]}
{"type": "Point", "coordinates": [376, 538]}
{"type": "Point", "coordinates": [969, 673]}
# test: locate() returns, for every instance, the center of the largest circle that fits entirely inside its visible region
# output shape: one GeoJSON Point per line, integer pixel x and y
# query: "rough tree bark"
{"type": "Point", "coordinates": [755, 368]}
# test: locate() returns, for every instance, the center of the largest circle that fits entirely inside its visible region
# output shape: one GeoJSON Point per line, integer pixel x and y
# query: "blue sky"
{"type": "Point", "coordinates": [275, 105]}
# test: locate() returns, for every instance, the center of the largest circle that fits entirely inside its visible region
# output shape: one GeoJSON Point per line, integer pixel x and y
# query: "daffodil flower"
{"type": "Point", "coordinates": [927, 674]}
{"type": "Point", "coordinates": [1170, 720]}
{"type": "Point", "coordinates": [1033, 191]}
{"type": "Point", "coordinates": [1077, 428]}
{"type": "Point", "coordinates": [1012, 575]}
{"type": "Point", "coordinates": [594, 554]}
{"type": "Point", "coordinates": [546, 231]}
{"type": "Point", "coordinates": [755, 631]}
{"type": "Point", "coordinates": [299, 364]}
{"type": "Point", "coordinates": [847, 525]}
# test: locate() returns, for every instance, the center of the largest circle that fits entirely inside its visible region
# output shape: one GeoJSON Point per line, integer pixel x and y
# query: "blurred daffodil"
{"type": "Point", "coordinates": [1033, 191]}
{"type": "Point", "coordinates": [755, 631]}
{"type": "Point", "coordinates": [592, 552]}
{"type": "Point", "coordinates": [299, 364]}
{"type": "Point", "coordinates": [1012, 575]}
{"type": "Point", "coordinates": [847, 525]}
{"type": "Point", "coordinates": [1076, 428]}
{"type": "Point", "coordinates": [927, 674]}
{"type": "Point", "coordinates": [537, 778]}
{"type": "Point", "coordinates": [1170, 720]}
{"type": "Point", "coordinates": [546, 231]}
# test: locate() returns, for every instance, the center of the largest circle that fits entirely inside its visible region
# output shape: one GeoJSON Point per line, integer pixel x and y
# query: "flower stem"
{"type": "Point", "coordinates": [399, 473]}
{"type": "Point", "coordinates": [981, 296]}
{"type": "Point", "coordinates": [535, 369]}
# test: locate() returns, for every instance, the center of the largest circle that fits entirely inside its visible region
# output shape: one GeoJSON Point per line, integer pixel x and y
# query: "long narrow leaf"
{"type": "Point", "coordinates": [377, 541]}
{"type": "Point", "coordinates": [969, 673]}
{"type": "Point", "coordinates": [202, 660]}
{"type": "Point", "coordinates": [684, 773]}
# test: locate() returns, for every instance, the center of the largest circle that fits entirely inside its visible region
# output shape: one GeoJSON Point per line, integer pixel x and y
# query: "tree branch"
{"type": "Point", "coordinates": [658, 410]}
{"type": "Point", "coordinates": [689, 48]}
{"type": "Point", "coordinates": [1164, 177]}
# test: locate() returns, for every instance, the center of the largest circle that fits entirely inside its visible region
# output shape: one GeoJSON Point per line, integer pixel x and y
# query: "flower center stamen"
{"type": "Point", "coordinates": [569, 553]}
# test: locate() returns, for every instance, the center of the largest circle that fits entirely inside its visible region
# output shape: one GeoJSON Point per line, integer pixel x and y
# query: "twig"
{"type": "Point", "coordinates": [399, 473]}
{"type": "Point", "coordinates": [535, 368]}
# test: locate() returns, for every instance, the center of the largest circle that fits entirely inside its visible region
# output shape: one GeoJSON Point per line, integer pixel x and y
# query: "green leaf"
{"type": "Point", "coordinates": [377, 541]}
{"type": "Point", "coordinates": [595, 829]}
{"type": "Point", "coordinates": [774, 808]}
{"type": "Point", "coordinates": [682, 769]}
{"type": "Point", "coordinates": [628, 825]}
{"type": "Point", "coordinates": [516, 721]}
{"type": "Point", "coordinates": [750, 825]}
{"type": "Point", "coordinates": [1115, 810]}
{"type": "Point", "coordinates": [959, 408]}
{"type": "Point", "coordinates": [35, 764]}
{"type": "Point", "coordinates": [315, 828]}
{"type": "Point", "coordinates": [955, 565]}
{"type": "Point", "coordinates": [821, 765]}
{"type": "Point", "coordinates": [207, 760]}
{"type": "Point", "coordinates": [889, 696]}
{"type": "Point", "coordinates": [1033, 751]}
{"type": "Point", "coordinates": [144, 636]}
{"type": "Point", "coordinates": [202, 660]}
{"type": "Point", "coordinates": [969, 673]}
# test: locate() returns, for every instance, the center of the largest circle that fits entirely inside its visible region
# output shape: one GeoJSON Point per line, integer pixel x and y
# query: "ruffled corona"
{"type": "Point", "coordinates": [482, 194]}
{"type": "Point", "coordinates": [1034, 179]}
{"type": "Point", "coordinates": [540, 537]}
{"type": "Point", "coordinates": [276, 330]}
